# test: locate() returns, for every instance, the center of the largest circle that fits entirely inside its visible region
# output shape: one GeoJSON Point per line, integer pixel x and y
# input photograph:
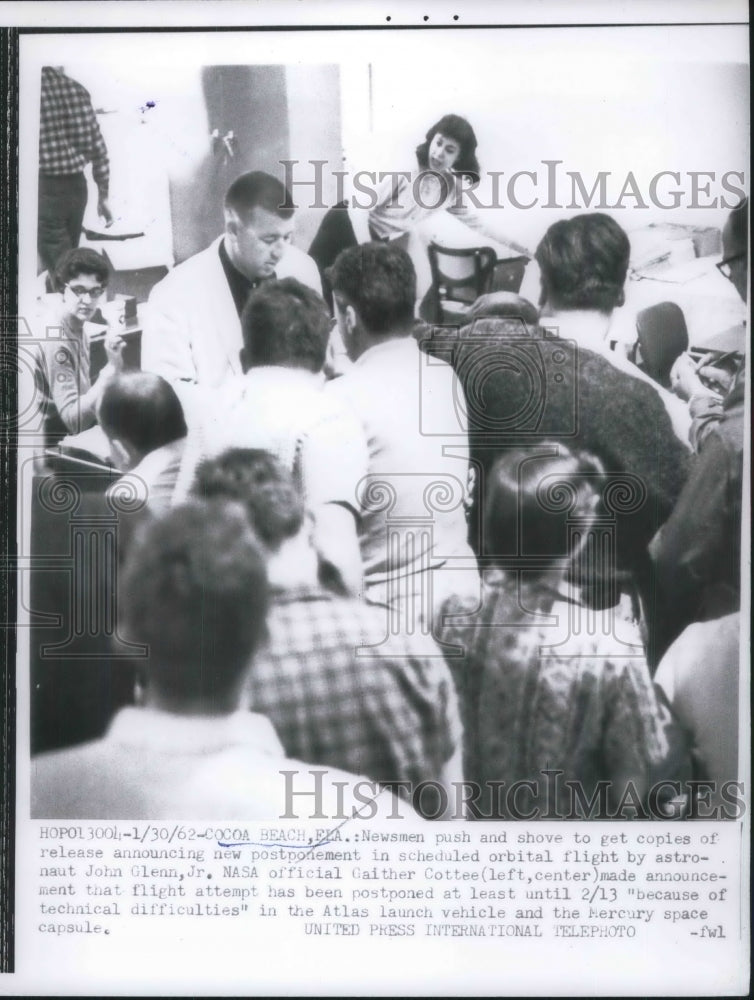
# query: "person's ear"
{"type": "Point", "coordinates": [120, 454]}
{"type": "Point", "coordinates": [243, 356]}
{"type": "Point", "coordinates": [308, 527]}
{"type": "Point", "coordinates": [352, 318]}
{"type": "Point", "coordinates": [621, 300]}
{"type": "Point", "coordinates": [231, 223]}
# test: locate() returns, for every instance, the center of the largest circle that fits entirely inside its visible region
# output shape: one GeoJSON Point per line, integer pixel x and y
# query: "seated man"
{"type": "Point", "coordinates": [194, 590]}
{"type": "Point", "coordinates": [279, 405]}
{"type": "Point", "coordinates": [66, 395]}
{"type": "Point", "coordinates": [543, 685]}
{"type": "Point", "coordinates": [192, 331]}
{"type": "Point", "coordinates": [583, 265]}
{"type": "Point", "coordinates": [338, 691]}
{"type": "Point", "coordinates": [143, 420]}
{"type": "Point", "coordinates": [413, 530]}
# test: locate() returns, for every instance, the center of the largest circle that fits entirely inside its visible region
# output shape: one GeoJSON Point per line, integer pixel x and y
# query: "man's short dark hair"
{"type": "Point", "coordinates": [285, 323]}
{"type": "Point", "coordinates": [256, 189]}
{"type": "Point", "coordinates": [142, 409]}
{"type": "Point", "coordinates": [379, 281]}
{"type": "Point", "coordinates": [256, 479]}
{"type": "Point", "coordinates": [529, 495]}
{"type": "Point", "coordinates": [80, 260]}
{"type": "Point", "coordinates": [584, 263]}
{"type": "Point", "coordinates": [194, 589]}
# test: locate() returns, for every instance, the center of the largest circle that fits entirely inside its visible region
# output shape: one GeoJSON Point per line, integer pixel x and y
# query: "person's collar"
{"type": "Point", "coordinates": [227, 262]}
{"type": "Point", "coordinates": [294, 565]}
{"type": "Point", "coordinates": [588, 327]}
{"type": "Point", "coordinates": [387, 345]}
{"type": "Point", "coordinates": [299, 592]}
{"type": "Point", "coordinates": [283, 374]}
{"type": "Point", "coordinates": [554, 584]}
{"type": "Point", "coordinates": [155, 461]}
{"type": "Point", "coordinates": [166, 732]}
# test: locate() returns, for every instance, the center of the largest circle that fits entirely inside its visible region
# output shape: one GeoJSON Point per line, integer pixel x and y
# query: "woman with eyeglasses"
{"type": "Point", "coordinates": [67, 397]}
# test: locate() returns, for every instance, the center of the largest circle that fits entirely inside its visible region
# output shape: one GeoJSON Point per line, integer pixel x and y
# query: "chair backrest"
{"type": "Point", "coordinates": [662, 337]}
{"type": "Point", "coordinates": [461, 275]}
{"type": "Point", "coordinates": [508, 274]}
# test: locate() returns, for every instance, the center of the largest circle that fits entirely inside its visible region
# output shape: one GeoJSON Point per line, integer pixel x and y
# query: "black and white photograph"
{"type": "Point", "coordinates": [381, 448]}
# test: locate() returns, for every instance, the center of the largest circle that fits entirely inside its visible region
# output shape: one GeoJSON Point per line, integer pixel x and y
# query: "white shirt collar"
{"type": "Point", "coordinates": [589, 328]}
{"type": "Point", "coordinates": [167, 732]}
{"type": "Point", "coordinates": [388, 346]}
{"type": "Point", "coordinates": [158, 460]}
{"type": "Point", "coordinates": [282, 375]}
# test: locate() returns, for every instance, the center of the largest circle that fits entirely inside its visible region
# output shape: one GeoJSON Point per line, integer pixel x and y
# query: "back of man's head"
{"type": "Point", "coordinates": [257, 480]}
{"type": "Point", "coordinates": [491, 329]}
{"type": "Point", "coordinates": [194, 590]}
{"type": "Point", "coordinates": [583, 263]}
{"type": "Point", "coordinates": [142, 411]}
{"type": "Point", "coordinates": [379, 281]}
{"type": "Point", "coordinates": [531, 493]}
{"type": "Point", "coordinates": [285, 323]}
{"type": "Point", "coordinates": [256, 189]}
{"type": "Point", "coordinates": [504, 305]}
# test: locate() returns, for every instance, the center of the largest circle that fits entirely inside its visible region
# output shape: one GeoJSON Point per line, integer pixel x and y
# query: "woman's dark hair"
{"type": "Point", "coordinates": [529, 497]}
{"type": "Point", "coordinates": [453, 127]}
{"type": "Point", "coordinates": [80, 260]}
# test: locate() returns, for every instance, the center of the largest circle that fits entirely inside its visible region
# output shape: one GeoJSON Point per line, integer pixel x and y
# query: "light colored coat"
{"type": "Point", "coordinates": [192, 333]}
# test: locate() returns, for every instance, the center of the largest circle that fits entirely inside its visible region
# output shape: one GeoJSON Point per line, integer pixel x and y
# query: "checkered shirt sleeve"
{"type": "Point", "coordinates": [69, 135]}
{"type": "Point", "coordinates": [392, 715]}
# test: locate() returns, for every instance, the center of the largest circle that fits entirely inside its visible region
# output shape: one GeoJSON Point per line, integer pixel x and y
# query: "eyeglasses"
{"type": "Point", "coordinates": [90, 293]}
{"type": "Point", "coordinates": [724, 267]}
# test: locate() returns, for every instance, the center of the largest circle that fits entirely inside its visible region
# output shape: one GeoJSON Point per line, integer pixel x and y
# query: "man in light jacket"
{"type": "Point", "coordinates": [192, 331]}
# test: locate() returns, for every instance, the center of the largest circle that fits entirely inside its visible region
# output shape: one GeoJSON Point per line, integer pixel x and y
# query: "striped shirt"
{"type": "Point", "coordinates": [69, 135]}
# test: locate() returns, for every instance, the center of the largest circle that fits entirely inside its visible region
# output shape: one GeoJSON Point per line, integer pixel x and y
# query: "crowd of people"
{"type": "Point", "coordinates": [432, 558]}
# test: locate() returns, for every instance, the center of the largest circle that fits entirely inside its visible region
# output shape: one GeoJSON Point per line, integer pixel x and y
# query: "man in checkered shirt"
{"type": "Point", "coordinates": [69, 138]}
{"type": "Point", "coordinates": [338, 690]}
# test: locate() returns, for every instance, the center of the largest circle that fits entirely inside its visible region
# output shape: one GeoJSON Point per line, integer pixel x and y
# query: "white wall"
{"type": "Point", "coordinates": [601, 100]}
{"type": "Point", "coordinates": [146, 145]}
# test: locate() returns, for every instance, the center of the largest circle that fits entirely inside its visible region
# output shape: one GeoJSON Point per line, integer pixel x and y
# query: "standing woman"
{"type": "Point", "coordinates": [417, 205]}
{"type": "Point", "coordinates": [65, 393]}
